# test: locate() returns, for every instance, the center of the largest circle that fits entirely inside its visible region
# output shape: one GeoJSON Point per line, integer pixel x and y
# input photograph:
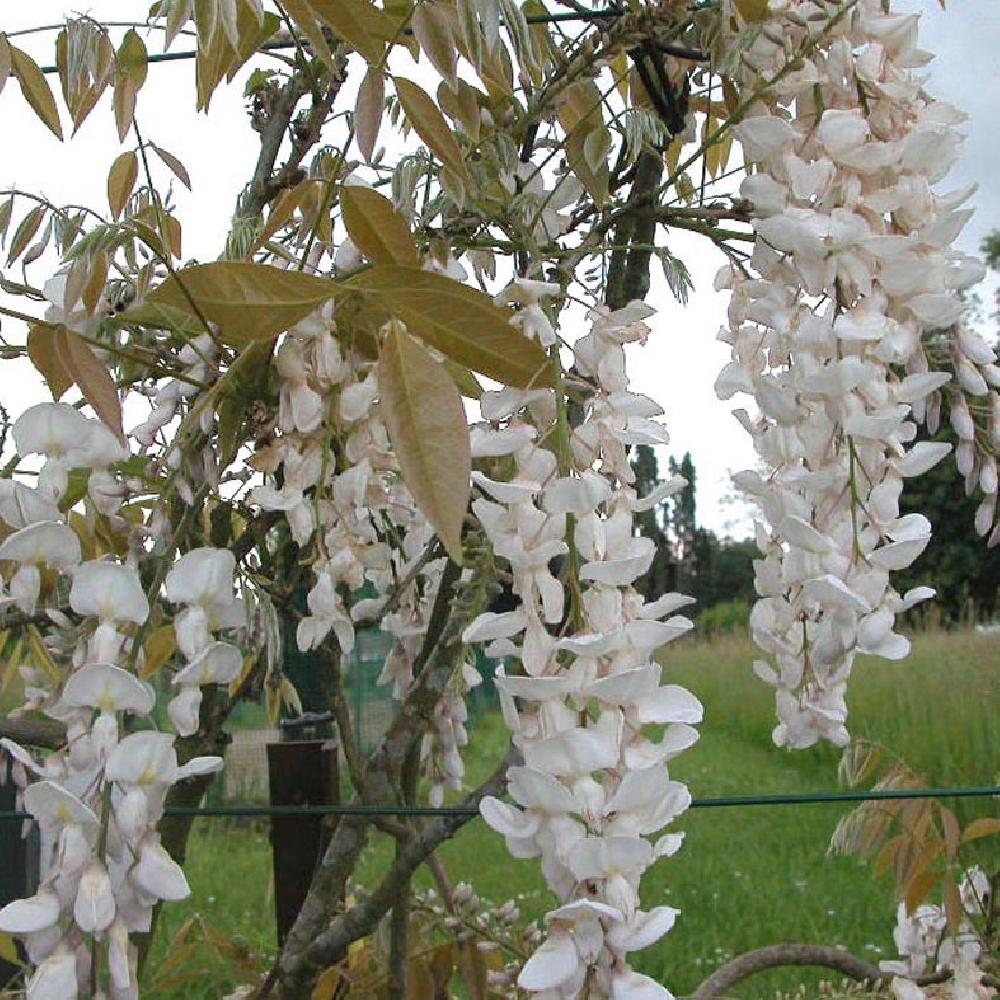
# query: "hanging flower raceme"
{"type": "Point", "coordinates": [337, 501]}
{"type": "Point", "coordinates": [99, 799]}
{"type": "Point", "coordinates": [201, 582]}
{"type": "Point", "coordinates": [593, 786]}
{"type": "Point", "coordinates": [851, 271]}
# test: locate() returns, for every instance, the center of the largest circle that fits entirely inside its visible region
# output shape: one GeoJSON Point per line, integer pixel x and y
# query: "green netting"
{"type": "Point", "coordinates": [372, 704]}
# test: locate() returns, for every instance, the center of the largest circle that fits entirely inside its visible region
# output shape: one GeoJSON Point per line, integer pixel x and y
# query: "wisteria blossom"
{"type": "Point", "coordinates": [926, 946]}
{"type": "Point", "coordinates": [852, 272]}
{"type": "Point", "coordinates": [593, 786]}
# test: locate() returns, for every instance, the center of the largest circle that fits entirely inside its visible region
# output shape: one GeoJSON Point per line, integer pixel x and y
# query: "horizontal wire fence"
{"type": "Point", "coordinates": [373, 707]}
{"type": "Point", "coordinates": [798, 798]}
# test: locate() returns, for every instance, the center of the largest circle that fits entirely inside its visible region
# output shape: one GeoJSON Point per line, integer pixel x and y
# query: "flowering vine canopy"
{"type": "Point", "coordinates": [406, 377]}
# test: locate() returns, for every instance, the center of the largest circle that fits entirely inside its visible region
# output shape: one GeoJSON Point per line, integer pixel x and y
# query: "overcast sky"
{"type": "Point", "coordinates": [679, 366]}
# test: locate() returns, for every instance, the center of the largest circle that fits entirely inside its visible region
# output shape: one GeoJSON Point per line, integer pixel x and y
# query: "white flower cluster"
{"type": "Point", "coordinates": [367, 529]}
{"type": "Point", "coordinates": [852, 266]}
{"type": "Point", "coordinates": [98, 800]}
{"type": "Point", "coordinates": [925, 946]}
{"type": "Point", "coordinates": [201, 582]}
{"type": "Point", "coordinates": [593, 786]}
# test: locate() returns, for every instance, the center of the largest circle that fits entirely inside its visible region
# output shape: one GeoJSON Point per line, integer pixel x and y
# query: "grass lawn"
{"type": "Point", "coordinates": [746, 876]}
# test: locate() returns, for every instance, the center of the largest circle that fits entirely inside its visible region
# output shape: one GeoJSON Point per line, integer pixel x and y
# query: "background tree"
{"type": "Point", "coordinates": [661, 576]}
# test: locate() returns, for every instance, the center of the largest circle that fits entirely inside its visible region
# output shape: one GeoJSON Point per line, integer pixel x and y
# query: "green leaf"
{"type": "Point", "coordinates": [247, 301]}
{"type": "Point", "coordinates": [376, 228]}
{"type": "Point", "coordinates": [423, 114]}
{"type": "Point", "coordinates": [36, 91]}
{"type": "Point", "coordinates": [427, 425]}
{"type": "Point", "coordinates": [122, 176]}
{"type": "Point", "coordinates": [461, 322]}
{"type": "Point", "coordinates": [464, 380]}
{"type": "Point", "coordinates": [8, 950]}
{"type": "Point", "coordinates": [243, 383]}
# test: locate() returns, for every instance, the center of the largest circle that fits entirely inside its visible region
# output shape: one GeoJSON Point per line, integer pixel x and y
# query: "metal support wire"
{"type": "Point", "coordinates": [789, 799]}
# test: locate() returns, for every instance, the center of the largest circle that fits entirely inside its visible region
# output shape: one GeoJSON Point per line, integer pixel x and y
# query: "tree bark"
{"type": "Point", "coordinates": [34, 732]}
{"type": "Point", "coordinates": [788, 953]}
{"type": "Point", "coordinates": [315, 941]}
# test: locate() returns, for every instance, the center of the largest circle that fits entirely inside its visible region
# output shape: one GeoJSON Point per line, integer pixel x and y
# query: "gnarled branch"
{"type": "Point", "coordinates": [34, 732]}
{"type": "Point", "coordinates": [790, 953]}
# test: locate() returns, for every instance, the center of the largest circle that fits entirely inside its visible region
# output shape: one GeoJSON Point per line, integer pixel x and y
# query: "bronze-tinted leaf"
{"type": "Point", "coordinates": [434, 34]}
{"type": "Point", "coordinates": [159, 648]}
{"type": "Point", "coordinates": [464, 380]}
{"type": "Point", "coordinates": [6, 211]}
{"type": "Point", "coordinates": [952, 831]}
{"type": "Point", "coordinates": [423, 114]}
{"type": "Point", "coordinates": [359, 23]}
{"type": "Point", "coordinates": [461, 322]}
{"type": "Point", "coordinates": [368, 111]}
{"type": "Point", "coordinates": [173, 165]}
{"type": "Point", "coordinates": [6, 61]}
{"type": "Point", "coordinates": [26, 229]}
{"type": "Point", "coordinates": [97, 278]}
{"type": "Point", "coordinates": [85, 101]}
{"type": "Point", "coordinates": [919, 888]}
{"type": "Point", "coordinates": [211, 65]}
{"type": "Point", "coordinates": [580, 117]}
{"type": "Point", "coordinates": [206, 21]}
{"type": "Point", "coordinates": [426, 421]}
{"type": "Point", "coordinates": [178, 14]}
{"type": "Point", "coordinates": [988, 826]}
{"type": "Point", "coordinates": [376, 228]}
{"type": "Point", "coordinates": [94, 380]}
{"type": "Point", "coordinates": [283, 208]}
{"type": "Point", "coordinates": [159, 316]}
{"type": "Point", "coordinates": [752, 11]}
{"type": "Point", "coordinates": [953, 908]}
{"type": "Point", "coordinates": [122, 176]}
{"type": "Point", "coordinates": [304, 17]}
{"type": "Point", "coordinates": [36, 91]}
{"type": "Point", "coordinates": [130, 75]}
{"type": "Point", "coordinates": [44, 355]}
{"type": "Point", "coordinates": [247, 301]}
{"type": "Point", "coordinates": [229, 22]}
{"type": "Point", "coordinates": [76, 279]}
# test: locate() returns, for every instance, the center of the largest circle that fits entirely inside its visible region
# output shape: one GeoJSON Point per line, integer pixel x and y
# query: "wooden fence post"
{"type": "Point", "coordinates": [301, 772]}
{"type": "Point", "coordinates": [18, 858]}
